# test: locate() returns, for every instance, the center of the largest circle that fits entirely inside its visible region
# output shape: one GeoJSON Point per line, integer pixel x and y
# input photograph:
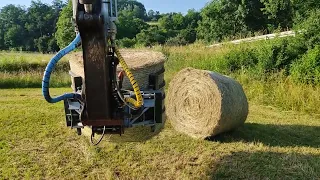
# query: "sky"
{"type": "Point", "coordinates": [163, 6]}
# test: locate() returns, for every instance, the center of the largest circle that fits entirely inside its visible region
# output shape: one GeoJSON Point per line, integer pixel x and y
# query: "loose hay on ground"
{"type": "Point", "coordinates": [202, 103]}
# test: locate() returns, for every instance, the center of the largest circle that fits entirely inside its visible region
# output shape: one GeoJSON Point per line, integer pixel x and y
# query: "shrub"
{"type": "Point", "coordinates": [176, 41]}
{"type": "Point", "coordinates": [151, 36]}
{"type": "Point", "coordinates": [127, 43]}
{"type": "Point", "coordinates": [190, 35]}
{"type": "Point", "coordinates": [307, 69]}
{"type": "Point", "coordinates": [309, 30]}
{"type": "Point", "coordinates": [278, 55]}
{"type": "Point", "coordinates": [241, 58]}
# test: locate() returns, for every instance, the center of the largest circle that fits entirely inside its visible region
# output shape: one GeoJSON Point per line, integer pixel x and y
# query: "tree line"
{"type": "Point", "coordinates": [30, 29]}
{"type": "Point", "coordinates": [46, 28]}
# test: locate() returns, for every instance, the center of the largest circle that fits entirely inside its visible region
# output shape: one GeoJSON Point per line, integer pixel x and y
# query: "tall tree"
{"type": "Point", "coordinates": [192, 18]}
{"type": "Point", "coordinates": [280, 12]}
{"type": "Point", "coordinates": [129, 26]}
{"type": "Point", "coordinates": [151, 36]}
{"type": "Point", "coordinates": [303, 8]}
{"type": "Point", "coordinates": [173, 21]}
{"type": "Point", "coordinates": [41, 23]}
{"type": "Point", "coordinates": [12, 20]}
{"type": "Point", "coordinates": [151, 15]}
{"type": "Point", "coordinates": [57, 6]}
{"type": "Point", "coordinates": [255, 19]}
{"type": "Point", "coordinates": [41, 18]}
{"type": "Point", "coordinates": [221, 19]}
{"type": "Point", "coordinates": [132, 7]}
{"type": "Point", "coordinates": [310, 29]}
{"type": "Point", "coordinates": [2, 46]}
{"type": "Point", "coordinates": [65, 30]}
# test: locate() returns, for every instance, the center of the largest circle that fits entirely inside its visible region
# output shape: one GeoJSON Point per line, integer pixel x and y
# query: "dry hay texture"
{"type": "Point", "coordinates": [203, 103]}
{"type": "Point", "coordinates": [141, 62]}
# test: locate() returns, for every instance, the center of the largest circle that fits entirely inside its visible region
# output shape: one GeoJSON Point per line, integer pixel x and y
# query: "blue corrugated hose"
{"type": "Point", "coordinates": [49, 69]}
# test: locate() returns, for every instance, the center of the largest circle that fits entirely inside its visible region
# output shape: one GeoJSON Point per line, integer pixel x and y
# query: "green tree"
{"type": "Point", "coordinates": [57, 6]}
{"type": "Point", "coordinates": [178, 21]}
{"type": "Point", "coordinates": [310, 29]}
{"type": "Point", "coordinates": [192, 18]}
{"type": "Point", "coordinates": [65, 30]}
{"type": "Point", "coordinates": [302, 8]}
{"type": "Point", "coordinates": [134, 8]}
{"type": "Point", "coordinates": [41, 19]}
{"type": "Point", "coordinates": [221, 19]}
{"type": "Point", "coordinates": [173, 21]}
{"type": "Point", "coordinates": [166, 21]}
{"type": "Point", "coordinates": [42, 44]}
{"type": "Point", "coordinates": [14, 36]}
{"type": "Point", "coordinates": [255, 19]}
{"type": "Point", "coordinates": [151, 36]}
{"type": "Point", "coordinates": [189, 35]}
{"type": "Point", "coordinates": [12, 32]}
{"type": "Point", "coordinates": [12, 15]}
{"type": "Point", "coordinates": [280, 12]}
{"type": "Point", "coordinates": [41, 22]}
{"type": "Point", "coordinates": [129, 26]}
{"type": "Point", "coordinates": [2, 46]}
{"type": "Point", "coordinates": [151, 15]}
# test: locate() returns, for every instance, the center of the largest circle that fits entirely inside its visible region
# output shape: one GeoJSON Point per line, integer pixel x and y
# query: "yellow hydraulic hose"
{"type": "Point", "coordinates": [136, 103]}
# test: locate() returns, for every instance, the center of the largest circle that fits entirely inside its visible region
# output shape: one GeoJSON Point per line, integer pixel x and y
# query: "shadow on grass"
{"type": "Point", "coordinates": [267, 165]}
{"type": "Point", "coordinates": [136, 134]}
{"type": "Point", "coordinates": [274, 135]}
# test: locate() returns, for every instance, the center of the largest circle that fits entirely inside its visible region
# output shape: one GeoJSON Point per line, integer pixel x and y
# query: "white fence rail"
{"type": "Point", "coordinates": [258, 38]}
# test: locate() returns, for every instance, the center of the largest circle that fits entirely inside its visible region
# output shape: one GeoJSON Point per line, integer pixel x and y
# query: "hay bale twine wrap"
{"type": "Point", "coordinates": [203, 103]}
{"type": "Point", "coordinates": [142, 64]}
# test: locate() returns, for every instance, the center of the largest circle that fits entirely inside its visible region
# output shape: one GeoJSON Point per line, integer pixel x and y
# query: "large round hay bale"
{"type": "Point", "coordinates": [203, 103]}
{"type": "Point", "coordinates": [141, 62]}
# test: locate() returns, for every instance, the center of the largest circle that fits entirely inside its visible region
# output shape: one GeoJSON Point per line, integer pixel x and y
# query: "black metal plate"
{"type": "Point", "coordinates": [97, 83]}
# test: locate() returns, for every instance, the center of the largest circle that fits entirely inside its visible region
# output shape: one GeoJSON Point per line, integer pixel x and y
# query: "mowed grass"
{"type": "Point", "coordinates": [35, 144]}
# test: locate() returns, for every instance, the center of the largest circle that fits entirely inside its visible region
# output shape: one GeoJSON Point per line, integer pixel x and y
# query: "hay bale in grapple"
{"type": "Point", "coordinates": [203, 103]}
{"type": "Point", "coordinates": [142, 64]}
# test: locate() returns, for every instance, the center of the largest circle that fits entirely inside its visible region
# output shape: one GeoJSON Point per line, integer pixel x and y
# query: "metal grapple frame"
{"type": "Point", "coordinates": [98, 101]}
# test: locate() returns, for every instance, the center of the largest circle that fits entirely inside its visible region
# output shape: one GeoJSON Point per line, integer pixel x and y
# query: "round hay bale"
{"type": "Point", "coordinates": [141, 62]}
{"type": "Point", "coordinates": [203, 103]}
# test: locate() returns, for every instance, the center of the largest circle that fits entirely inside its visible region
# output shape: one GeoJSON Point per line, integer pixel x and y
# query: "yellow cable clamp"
{"type": "Point", "coordinates": [136, 103]}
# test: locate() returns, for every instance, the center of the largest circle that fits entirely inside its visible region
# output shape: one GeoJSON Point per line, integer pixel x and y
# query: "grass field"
{"type": "Point", "coordinates": [25, 70]}
{"type": "Point", "coordinates": [273, 144]}
{"type": "Point", "coordinates": [280, 140]}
